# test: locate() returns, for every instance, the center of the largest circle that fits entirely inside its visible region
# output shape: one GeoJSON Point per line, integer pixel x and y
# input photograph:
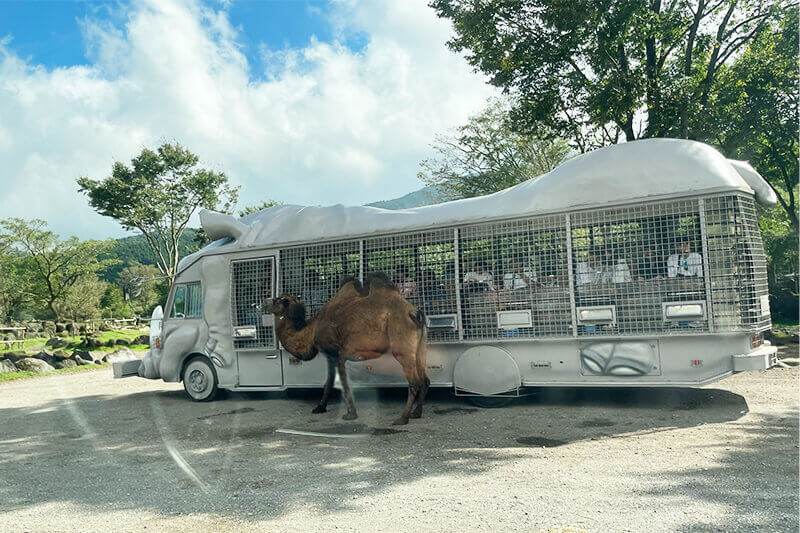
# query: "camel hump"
{"type": "Point", "coordinates": [379, 280]}
{"type": "Point", "coordinates": [356, 284]}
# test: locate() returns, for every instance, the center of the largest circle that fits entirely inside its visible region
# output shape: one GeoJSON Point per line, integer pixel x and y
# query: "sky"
{"type": "Point", "coordinates": [310, 102]}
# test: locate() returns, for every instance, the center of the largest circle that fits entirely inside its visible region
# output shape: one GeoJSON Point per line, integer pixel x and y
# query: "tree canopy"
{"type": "Point", "coordinates": [596, 71]}
{"type": "Point", "coordinates": [486, 155]}
{"type": "Point", "coordinates": [157, 195]}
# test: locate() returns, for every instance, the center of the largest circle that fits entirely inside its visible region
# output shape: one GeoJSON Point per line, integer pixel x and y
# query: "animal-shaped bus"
{"type": "Point", "coordinates": [636, 265]}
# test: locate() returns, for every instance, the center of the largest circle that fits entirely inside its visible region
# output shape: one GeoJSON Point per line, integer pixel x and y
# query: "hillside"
{"type": "Point", "coordinates": [418, 198]}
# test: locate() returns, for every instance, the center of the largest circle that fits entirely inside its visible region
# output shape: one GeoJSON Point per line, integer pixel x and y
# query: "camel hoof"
{"type": "Point", "coordinates": [415, 414]}
{"type": "Point", "coordinates": [402, 421]}
{"type": "Point", "coordinates": [319, 409]}
{"type": "Point", "coordinates": [350, 416]}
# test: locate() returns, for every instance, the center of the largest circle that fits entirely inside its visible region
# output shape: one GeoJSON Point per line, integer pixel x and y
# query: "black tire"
{"type": "Point", "coordinates": [200, 379]}
{"type": "Point", "coordinates": [491, 402]}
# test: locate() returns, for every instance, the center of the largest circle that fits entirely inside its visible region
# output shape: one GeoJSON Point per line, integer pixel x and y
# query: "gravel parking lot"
{"type": "Point", "coordinates": [84, 452]}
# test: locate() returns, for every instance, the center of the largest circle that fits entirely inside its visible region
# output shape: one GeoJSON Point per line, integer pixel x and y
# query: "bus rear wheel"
{"type": "Point", "coordinates": [200, 379]}
{"type": "Point", "coordinates": [491, 402]}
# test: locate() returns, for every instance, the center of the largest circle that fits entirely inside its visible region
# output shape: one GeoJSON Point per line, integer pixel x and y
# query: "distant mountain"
{"type": "Point", "coordinates": [424, 196]}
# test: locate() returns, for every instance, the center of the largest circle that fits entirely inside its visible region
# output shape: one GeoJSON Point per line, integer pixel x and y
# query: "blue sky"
{"type": "Point", "coordinates": [308, 102]}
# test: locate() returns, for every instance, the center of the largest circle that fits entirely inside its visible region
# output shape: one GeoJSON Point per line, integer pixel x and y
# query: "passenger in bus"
{"type": "Point", "coordinates": [316, 294]}
{"type": "Point", "coordinates": [614, 270]}
{"type": "Point", "coordinates": [405, 283]}
{"type": "Point", "coordinates": [518, 277]}
{"type": "Point", "coordinates": [433, 291]}
{"type": "Point", "coordinates": [589, 271]}
{"type": "Point", "coordinates": [685, 263]}
{"type": "Point", "coordinates": [480, 279]}
{"type": "Point", "coordinates": [650, 266]}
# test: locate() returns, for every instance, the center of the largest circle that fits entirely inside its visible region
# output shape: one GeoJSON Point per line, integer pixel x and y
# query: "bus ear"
{"type": "Point", "coordinates": [219, 225]}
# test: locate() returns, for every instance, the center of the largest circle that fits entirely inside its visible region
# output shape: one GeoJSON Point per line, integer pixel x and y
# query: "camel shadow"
{"type": "Point", "coordinates": [259, 456]}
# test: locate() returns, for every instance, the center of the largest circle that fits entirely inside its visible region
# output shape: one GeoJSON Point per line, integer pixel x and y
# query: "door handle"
{"type": "Point", "coordinates": [275, 356]}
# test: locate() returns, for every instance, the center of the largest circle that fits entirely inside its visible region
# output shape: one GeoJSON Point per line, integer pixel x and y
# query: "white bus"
{"type": "Point", "coordinates": [639, 264]}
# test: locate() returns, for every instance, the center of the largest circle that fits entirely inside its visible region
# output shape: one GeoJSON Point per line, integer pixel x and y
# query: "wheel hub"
{"type": "Point", "coordinates": [197, 381]}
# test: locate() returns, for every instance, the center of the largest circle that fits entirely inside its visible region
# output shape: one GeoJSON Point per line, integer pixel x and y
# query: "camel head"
{"type": "Point", "coordinates": [287, 307]}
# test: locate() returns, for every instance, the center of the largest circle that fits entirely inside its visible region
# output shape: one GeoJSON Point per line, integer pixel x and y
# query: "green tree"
{"type": "Point", "coordinates": [595, 71]}
{"type": "Point", "coordinates": [754, 115]}
{"type": "Point", "coordinates": [157, 195]}
{"type": "Point", "coordinates": [250, 209]}
{"type": "Point", "coordinates": [82, 300]}
{"type": "Point", "coordinates": [56, 265]}
{"type": "Point", "coordinates": [17, 287]}
{"type": "Point", "coordinates": [113, 304]}
{"type": "Point", "coordinates": [486, 155]}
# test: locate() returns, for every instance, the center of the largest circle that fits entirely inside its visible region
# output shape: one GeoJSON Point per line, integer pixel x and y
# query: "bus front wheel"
{"type": "Point", "coordinates": [200, 379]}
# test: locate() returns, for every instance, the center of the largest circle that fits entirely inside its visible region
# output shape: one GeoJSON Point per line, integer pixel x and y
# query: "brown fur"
{"type": "Point", "coordinates": [359, 322]}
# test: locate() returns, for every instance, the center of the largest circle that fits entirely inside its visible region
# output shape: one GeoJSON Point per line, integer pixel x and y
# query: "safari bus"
{"type": "Point", "coordinates": [636, 265]}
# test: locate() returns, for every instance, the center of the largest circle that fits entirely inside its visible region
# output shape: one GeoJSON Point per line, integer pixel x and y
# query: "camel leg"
{"type": "Point", "coordinates": [413, 387]}
{"type": "Point", "coordinates": [422, 373]}
{"type": "Point", "coordinates": [351, 413]}
{"type": "Point", "coordinates": [323, 402]}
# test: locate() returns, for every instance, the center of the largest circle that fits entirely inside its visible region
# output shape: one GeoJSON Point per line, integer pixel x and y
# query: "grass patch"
{"type": "Point", "coordinates": [784, 323]}
{"type": "Point", "coordinates": [75, 342]}
{"type": "Point", "coordinates": [13, 376]}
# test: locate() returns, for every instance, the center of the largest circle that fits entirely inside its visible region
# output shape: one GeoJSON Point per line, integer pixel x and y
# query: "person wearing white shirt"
{"type": "Point", "coordinates": [518, 277]}
{"type": "Point", "coordinates": [588, 272]}
{"type": "Point", "coordinates": [480, 278]}
{"type": "Point", "coordinates": [614, 271]}
{"type": "Point", "coordinates": [685, 263]}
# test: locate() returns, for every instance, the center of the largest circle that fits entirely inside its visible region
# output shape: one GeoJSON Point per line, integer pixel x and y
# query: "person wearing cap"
{"type": "Point", "coordinates": [685, 263]}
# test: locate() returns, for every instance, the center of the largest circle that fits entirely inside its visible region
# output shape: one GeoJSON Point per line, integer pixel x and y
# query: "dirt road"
{"type": "Point", "coordinates": [83, 452]}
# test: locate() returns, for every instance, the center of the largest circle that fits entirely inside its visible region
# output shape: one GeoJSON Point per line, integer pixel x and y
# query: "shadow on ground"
{"type": "Point", "coordinates": [159, 451]}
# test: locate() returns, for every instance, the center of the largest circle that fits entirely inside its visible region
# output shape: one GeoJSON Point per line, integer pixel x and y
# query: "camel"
{"type": "Point", "coordinates": [357, 324]}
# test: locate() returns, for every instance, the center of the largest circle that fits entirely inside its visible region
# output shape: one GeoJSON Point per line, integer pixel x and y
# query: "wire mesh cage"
{"type": "Point", "coordinates": [251, 285]}
{"type": "Point", "coordinates": [659, 268]}
{"type": "Point", "coordinates": [641, 265]}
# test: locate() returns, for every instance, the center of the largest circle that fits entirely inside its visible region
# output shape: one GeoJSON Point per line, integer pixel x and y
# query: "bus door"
{"type": "Point", "coordinates": [257, 353]}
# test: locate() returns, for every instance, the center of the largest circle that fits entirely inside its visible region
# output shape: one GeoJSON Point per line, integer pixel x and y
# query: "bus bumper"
{"type": "Point", "coordinates": [126, 369]}
{"type": "Point", "coordinates": [762, 358]}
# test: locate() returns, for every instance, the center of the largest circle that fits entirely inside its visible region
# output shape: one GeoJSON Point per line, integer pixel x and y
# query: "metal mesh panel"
{"type": "Point", "coordinates": [313, 273]}
{"type": "Point", "coordinates": [739, 291]}
{"type": "Point", "coordinates": [422, 265]}
{"type": "Point", "coordinates": [515, 281]}
{"type": "Point", "coordinates": [636, 266]}
{"type": "Point", "coordinates": [251, 284]}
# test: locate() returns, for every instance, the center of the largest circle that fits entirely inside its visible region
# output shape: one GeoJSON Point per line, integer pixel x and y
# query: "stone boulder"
{"type": "Point", "coordinates": [66, 363]}
{"type": "Point", "coordinates": [15, 356]}
{"type": "Point", "coordinates": [60, 327]}
{"type": "Point", "coordinates": [120, 354]}
{"type": "Point", "coordinates": [30, 364]}
{"type": "Point", "coordinates": [82, 354]}
{"type": "Point", "coordinates": [7, 366]}
{"type": "Point", "coordinates": [142, 339]}
{"type": "Point", "coordinates": [56, 342]}
{"type": "Point", "coordinates": [32, 334]}
{"type": "Point", "coordinates": [46, 356]}
{"type": "Point", "coordinates": [122, 342]}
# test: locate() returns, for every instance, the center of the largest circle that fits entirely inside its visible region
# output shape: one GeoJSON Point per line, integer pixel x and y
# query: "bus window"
{"type": "Point", "coordinates": [194, 304]}
{"type": "Point", "coordinates": [179, 302]}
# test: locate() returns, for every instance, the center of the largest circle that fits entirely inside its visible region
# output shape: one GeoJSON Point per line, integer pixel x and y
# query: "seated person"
{"type": "Point", "coordinates": [405, 283]}
{"type": "Point", "coordinates": [589, 271]}
{"type": "Point", "coordinates": [685, 263]}
{"type": "Point", "coordinates": [518, 277]}
{"type": "Point", "coordinates": [432, 288]}
{"type": "Point", "coordinates": [480, 279]}
{"type": "Point", "coordinates": [649, 266]}
{"type": "Point", "coordinates": [614, 271]}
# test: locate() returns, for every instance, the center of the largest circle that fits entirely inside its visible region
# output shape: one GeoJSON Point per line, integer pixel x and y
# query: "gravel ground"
{"type": "Point", "coordinates": [84, 452]}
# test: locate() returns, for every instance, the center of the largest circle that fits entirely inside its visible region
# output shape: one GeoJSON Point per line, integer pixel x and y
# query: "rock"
{"type": "Point", "coordinates": [83, 354]}
{"type": "Point", "coordinates": [121, 342]}
{"type": "Point", "coordinates": [7, 366]}
{"type": "Point", "coordinates": [56, 342]}
{"type": "Point", "coordinates": [15, 356]}
{"type": "Point", "coordinates": [46, 356]}
{"type": "Point", "coordinates": [142, 339]}
{"type": "Point", "coordinates": [80, 361]}
{"type": "Point", "coordinates": [60, 354]}
{"type": "Point", "coordinates": [82, 328]}
{"type": "Point", "coordinates": [60, 328]}
{"type": "Point", "coordinates": [71, 329]}
{"type": "Point", "coordinates": [121, 354]}
{"type": "Point", "coordinates": [31, 335]}
{"type": "Point", "coordinates": [104, 327]}
{"type": "Point", "coordinates": [29, 364]}
{"type": "Point", "coordinates": [66, 363]}
{"type": "Point", "coordinates": [49, 328]}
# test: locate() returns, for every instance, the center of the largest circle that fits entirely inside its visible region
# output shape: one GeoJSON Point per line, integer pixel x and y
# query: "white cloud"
{"type": "Point", "coordinates": [324, 125]}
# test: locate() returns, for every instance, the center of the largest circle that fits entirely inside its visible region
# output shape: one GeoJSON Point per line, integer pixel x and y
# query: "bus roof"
{"type": "Point", "coordinates": [641, 170]}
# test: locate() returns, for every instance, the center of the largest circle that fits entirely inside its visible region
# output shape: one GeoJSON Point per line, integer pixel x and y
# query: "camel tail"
{"type": "Point", "coordinates": [419, 319]}
{"type": "Point", "coordinates": [422, 351]}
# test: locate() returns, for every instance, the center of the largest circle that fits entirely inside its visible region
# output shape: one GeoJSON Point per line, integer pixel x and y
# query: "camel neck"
{"type": "Point", "coordinates": [298, 342]}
